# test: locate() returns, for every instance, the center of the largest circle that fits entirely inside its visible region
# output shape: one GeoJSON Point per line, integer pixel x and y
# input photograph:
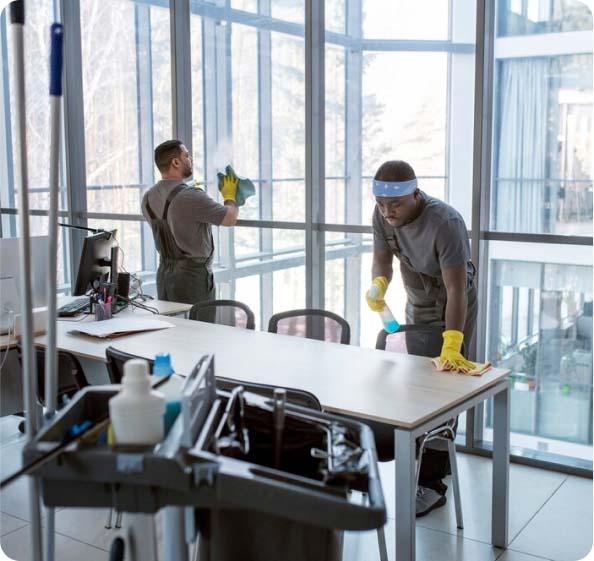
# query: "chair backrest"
{"type": "Point", "coordinates": [421, 340]}
{"type": "Point", "coordinates": [224, 312]}
{"type": "Point", "coordinates": [312, 324]}
{"type": "Point", "coordinates": [296, 397]}
{"type": "Point", "coordinates": [115, 363]}
{"type": "Point", "coordinates": [115, 366]}
{"type": "Point", "coordinates": [71, 376]}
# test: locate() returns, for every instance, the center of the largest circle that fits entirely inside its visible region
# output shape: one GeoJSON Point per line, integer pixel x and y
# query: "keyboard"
{"type": "Point", "coordinates": [73, 308]}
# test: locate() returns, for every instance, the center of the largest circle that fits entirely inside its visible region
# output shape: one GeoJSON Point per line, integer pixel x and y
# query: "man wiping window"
{"type": "Point", "coordinates": [181, 218]}
{"type": "Point", "coordinates": [430, 240]}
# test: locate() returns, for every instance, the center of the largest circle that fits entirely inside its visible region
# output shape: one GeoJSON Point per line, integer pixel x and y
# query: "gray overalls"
{"type": "Point", "coordinates": [180, 278]}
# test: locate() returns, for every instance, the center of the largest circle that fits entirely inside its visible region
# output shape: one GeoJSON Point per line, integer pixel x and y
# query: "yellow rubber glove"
{"type": "Point", "coordinates": [375, 294]}
{"type": "Point", "coordinates": [229, 188]}
{"type": "Point", "coordinates": [451, 357]}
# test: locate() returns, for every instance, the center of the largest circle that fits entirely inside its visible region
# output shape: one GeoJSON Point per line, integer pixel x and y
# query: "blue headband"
{"type": "Point", "coordinates": [394, 188]}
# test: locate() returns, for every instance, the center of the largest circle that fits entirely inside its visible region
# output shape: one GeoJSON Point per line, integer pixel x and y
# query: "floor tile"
{"type": "Point", "coordinates": [88, 525]}
{"type": "Point", "coordinates": [431, 545]}
{"type": "Point", "coordinates": [14, 499]}
{"type": "Point", "coordinates": [10, 524]}
{"type": "Point", "coordinates": [562, 528]}
{"type": "Point", "coordinates": [9, 430]}
{"type": "Point", "coordinates": [17, 545]}
{"type": "Point", "coordinates": [530, 488]}
{"type": "Point", "coordinates": [510, 555]}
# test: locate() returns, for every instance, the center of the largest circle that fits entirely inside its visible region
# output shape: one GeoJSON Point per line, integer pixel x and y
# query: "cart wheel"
{"type": "Point", "coordinates": [116, 552]}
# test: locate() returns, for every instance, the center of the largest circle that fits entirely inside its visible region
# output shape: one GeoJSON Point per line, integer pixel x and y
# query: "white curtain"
{"type": "Point", "coordinates": [521, 165]}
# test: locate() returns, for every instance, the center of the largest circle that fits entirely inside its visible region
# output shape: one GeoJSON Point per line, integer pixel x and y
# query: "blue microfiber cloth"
{"type": "Point", "coordinates": [245, 188]}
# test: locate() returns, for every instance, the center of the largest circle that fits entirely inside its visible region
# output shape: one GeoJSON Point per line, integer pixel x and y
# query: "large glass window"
{"type": "Point", "coordinates": [540, 327]}
{"type": "Point", "coordinates": [37, 40]}
{"type": "Point", "coordinates": [543, 145]}
{"type": "Point", "coordinates": [127, 110]}
{"type": "Point", "coordinates": [540, 295]}
{"type": "Point", "coordinates": [527, 17]}
{"type": "Point", "coordinates": [392, 99]}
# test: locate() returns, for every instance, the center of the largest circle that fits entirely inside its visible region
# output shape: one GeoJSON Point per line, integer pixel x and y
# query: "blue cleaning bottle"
{"type": "Point", "coordinates": [388, 319]}
{"type": "Point", "coordinates": [170, 390]}
{"type": "Point", "coordinates": [390, 323]}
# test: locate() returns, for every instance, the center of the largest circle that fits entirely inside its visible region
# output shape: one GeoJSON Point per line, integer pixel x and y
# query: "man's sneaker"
{"type": "Point", "coordinates": [427, 500]}
{"type": "Point", "coordinates": [436, 485]}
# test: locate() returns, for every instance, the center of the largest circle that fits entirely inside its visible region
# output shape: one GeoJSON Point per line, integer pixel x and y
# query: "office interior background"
{"type": "Point", "coordinates": [501, 128]}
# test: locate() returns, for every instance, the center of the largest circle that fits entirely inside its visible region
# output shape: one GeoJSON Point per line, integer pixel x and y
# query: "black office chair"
{"type": "Point", "coordinates": [224, 312]}
{"type": "Point", "coordinates": [115, 363]}
{"type": "Point", "coordinates": [312, 324]}
{"type": "Point", "coordinates": [296, 397]}
{"type": "Point", "coordinates": [71, 376]}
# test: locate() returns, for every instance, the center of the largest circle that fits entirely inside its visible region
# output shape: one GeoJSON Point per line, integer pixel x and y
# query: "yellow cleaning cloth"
{"type": "Point", "coordinates": [444, 365]}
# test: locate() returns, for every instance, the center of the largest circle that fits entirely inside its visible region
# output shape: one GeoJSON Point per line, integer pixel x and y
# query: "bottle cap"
{"type": "Point", "coordinates": [136, 374]}
{"type": "Point", "coordinates": [162, 365]}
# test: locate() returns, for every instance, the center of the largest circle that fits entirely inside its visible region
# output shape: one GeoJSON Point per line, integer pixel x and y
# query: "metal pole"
{"type": "Point", "coordinates": [51, 354]}
{"type": "Point", "coordinates": [17, 19]}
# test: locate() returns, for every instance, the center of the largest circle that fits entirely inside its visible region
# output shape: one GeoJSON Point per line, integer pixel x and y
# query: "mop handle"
{"type": "Point", "coordinates": [17, 12]}
{"type": "Point", "coordinates": [56, 58]}
{"type": "Point", "coordinates": [55, 90]}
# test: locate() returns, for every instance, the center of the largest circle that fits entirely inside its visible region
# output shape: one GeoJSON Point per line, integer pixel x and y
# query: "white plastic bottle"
{"type": "Point", "coordinates": [388, 319]}
{"type": "Point", "coordinates": [136, 413]}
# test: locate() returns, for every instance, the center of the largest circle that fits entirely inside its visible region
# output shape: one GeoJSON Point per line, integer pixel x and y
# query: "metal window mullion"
{"type": "Point", "coordinates": [265, 157]}
{"type": "Point", "coordinates": [7, 223]}
{"type": "Point", "coordinates": [481, 177]}
{"type": "Point", "coordinates": [353, 114]}
{"type": "Point", "coordinates": [515, 315]}
{"type": "Point", "coordinates": [144, 97]}
{"type": "Point", "coordinates": [314, 153]}
{"type": "Point", "coordinates": [530, 322]}
{"type": "Point", "coordinates": [224, 79]}
{"type": "Point", "coordinates": [74, 128]}
{"type": "Point", "coordinates": [181, 71]}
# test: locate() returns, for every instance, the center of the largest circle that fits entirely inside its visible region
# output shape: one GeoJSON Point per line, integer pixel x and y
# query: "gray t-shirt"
{"type": "Point", "coordinates": [435, 240]}
{"type": "Point", "coordinates": [190, 216]}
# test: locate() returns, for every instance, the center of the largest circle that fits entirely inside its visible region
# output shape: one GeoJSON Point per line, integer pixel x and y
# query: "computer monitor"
{"type": "Point", "coordinates": [97, 261]}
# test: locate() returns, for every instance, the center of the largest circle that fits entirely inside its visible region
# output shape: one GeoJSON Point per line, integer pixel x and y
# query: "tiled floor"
{"type": "Point", "coordinates": [550, 517]}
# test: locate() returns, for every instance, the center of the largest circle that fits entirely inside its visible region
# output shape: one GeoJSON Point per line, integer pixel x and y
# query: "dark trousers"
{"type": "Point", "coordinates": [184, 280]}
{"type": "Point", "coordinates": [428, 308]}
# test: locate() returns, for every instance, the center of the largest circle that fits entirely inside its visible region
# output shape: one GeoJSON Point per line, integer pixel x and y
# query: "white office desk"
{"type": "Point", "coordinates": [402, 390]}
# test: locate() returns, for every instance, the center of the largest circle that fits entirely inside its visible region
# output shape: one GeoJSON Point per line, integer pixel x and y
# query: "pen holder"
{"type": "Point", "coordinates": [102, 311]}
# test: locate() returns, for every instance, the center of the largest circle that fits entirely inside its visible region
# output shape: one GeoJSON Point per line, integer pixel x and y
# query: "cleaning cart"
{"type": "Point", "coordinates": [250, 477]}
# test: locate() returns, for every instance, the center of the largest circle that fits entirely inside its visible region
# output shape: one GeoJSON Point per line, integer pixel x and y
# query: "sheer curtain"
{"type": "Point", "coordinates": [521, 164]}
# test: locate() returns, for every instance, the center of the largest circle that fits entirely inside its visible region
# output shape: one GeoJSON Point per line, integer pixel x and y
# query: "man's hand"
{"type": "Point", "coordinates": [451, 356]}
{"type": "Point", "coordinates": [229, 188]}
{"type": "Point", "coordinates": [375, 294]}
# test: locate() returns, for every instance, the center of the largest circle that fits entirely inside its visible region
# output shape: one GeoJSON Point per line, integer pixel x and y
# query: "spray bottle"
{"type": "Point", "coordinates": [390, 323]}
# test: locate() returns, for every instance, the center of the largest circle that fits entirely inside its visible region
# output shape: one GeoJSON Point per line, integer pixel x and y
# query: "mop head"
{"type": "Point", "coordinates": [245, 188]}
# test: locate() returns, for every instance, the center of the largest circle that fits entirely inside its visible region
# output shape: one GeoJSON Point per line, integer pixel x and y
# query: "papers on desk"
{"type": "Point", "coordinates": [117, 327]}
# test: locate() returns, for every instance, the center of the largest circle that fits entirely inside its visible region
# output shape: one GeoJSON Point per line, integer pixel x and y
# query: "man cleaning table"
{"type": "Point", "coordinates": [430, 240]}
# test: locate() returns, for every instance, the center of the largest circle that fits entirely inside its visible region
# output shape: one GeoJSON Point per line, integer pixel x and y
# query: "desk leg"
{"type": "Point", "coordinates": [500, 502]}
{"type": "Point", "coordinates": [405, 495]}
